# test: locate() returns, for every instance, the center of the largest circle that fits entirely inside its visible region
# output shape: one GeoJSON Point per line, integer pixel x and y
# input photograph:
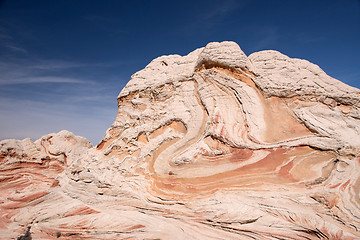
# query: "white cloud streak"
{"type": "Point", "coordinates": [38, 71]}
{"type": "Point", "coordinates": [42, 79]}
{"type": "Point", "coordinates": [221, 9]}
{"type": "Point", "coordinates": [84, 106]}
{"type": "Point", "coordinates": [16, 49]}
{"type": "Point", "coordinates": [25, 118]}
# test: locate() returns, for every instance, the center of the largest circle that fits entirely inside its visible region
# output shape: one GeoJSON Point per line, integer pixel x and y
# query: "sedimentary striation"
{"type": "Point", "coordinates": [212, 145]}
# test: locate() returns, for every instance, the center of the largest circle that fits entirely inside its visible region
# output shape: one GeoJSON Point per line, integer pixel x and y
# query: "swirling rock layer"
{"type": "Point", "coordinates": [212, 145]}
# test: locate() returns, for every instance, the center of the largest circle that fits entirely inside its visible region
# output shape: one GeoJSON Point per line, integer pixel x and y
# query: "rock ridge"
{"type": "Point", "coordinates": [211, 145]}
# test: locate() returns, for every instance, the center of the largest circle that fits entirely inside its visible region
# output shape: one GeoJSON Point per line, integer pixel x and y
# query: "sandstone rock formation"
{"type": "Point", "coordinates": [212, 145]}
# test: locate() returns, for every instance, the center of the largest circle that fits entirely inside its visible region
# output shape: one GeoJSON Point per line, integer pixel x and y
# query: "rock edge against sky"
{"type": "Point", "coordinates": [212, 145]}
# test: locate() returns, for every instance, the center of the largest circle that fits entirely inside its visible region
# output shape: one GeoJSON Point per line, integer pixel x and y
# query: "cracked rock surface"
{"type": "Point", "coordinates": [212, 145]}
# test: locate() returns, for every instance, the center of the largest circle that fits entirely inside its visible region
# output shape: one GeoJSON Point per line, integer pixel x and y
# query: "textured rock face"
{"type": "Point", "coordinates": [212, 145]}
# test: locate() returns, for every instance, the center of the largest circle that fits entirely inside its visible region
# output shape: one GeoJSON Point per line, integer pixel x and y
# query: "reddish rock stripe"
{"type": "Point", "coordinates": [81, 211]}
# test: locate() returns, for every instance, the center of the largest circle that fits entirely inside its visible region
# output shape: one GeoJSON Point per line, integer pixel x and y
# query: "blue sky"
{"type": "Point", "coordinates": [63, 63]}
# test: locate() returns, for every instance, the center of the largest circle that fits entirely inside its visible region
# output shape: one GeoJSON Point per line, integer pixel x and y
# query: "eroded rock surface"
{"type": "Point", "coordinates": [212, 145]}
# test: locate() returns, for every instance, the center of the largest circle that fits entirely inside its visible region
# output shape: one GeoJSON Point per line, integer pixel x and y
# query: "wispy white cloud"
{"type": "Point", "coordinates": [59, 94]}
{"type": "Point", "coordinates": [66, 96]}
{"type": "Point", "coordinates": [29, 71]}
{"type": "Point", "coordinates": [48, 65]}
{"type": "Point", "coordinates": [4, 35]}
{"type": "Point", "coordinates": [28, 118]}
{"type": "Point", "coordinates": [8, 42]}
{"type": "Point", "coordinates": [16, 49]}
{"type": "Point", "coordinates": [42, 79]}
{"type": "Point", "coordinates": [221, 9]}
{"type": "Point", "coordinates": [54, 65]}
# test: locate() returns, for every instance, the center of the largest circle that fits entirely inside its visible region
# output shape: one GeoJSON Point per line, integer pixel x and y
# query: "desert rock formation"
{"type": "Point", "coordinates": [212, 145]}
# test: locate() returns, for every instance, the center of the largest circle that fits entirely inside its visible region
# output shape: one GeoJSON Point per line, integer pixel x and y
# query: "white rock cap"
{"type": "Point", "coordinates": [225, 54]}
{"type": "Point", "coordinates": [174, 68]}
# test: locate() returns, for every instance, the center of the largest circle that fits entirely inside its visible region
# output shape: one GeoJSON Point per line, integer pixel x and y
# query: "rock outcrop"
{"type": "Point", "coordinates": [212, 145]}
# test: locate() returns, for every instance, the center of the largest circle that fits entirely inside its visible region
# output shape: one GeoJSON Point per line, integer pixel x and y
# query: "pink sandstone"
{"type": "Point", "coordinates": [212, 145]}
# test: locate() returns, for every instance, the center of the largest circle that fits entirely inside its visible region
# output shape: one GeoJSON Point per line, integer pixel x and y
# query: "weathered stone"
{"type": "Point", "coordinates": [212, 145]}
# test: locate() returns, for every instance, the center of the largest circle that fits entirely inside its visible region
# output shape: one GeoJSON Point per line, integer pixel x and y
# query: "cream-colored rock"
{"type": "Point", "coordinates": [212, 145]}
{"type": "Point", "coordinates": [224, 54]}
{"type": "Point", "coordinates": [164, 69]}
{"type": "Point", "coordinates": [279, 75]}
